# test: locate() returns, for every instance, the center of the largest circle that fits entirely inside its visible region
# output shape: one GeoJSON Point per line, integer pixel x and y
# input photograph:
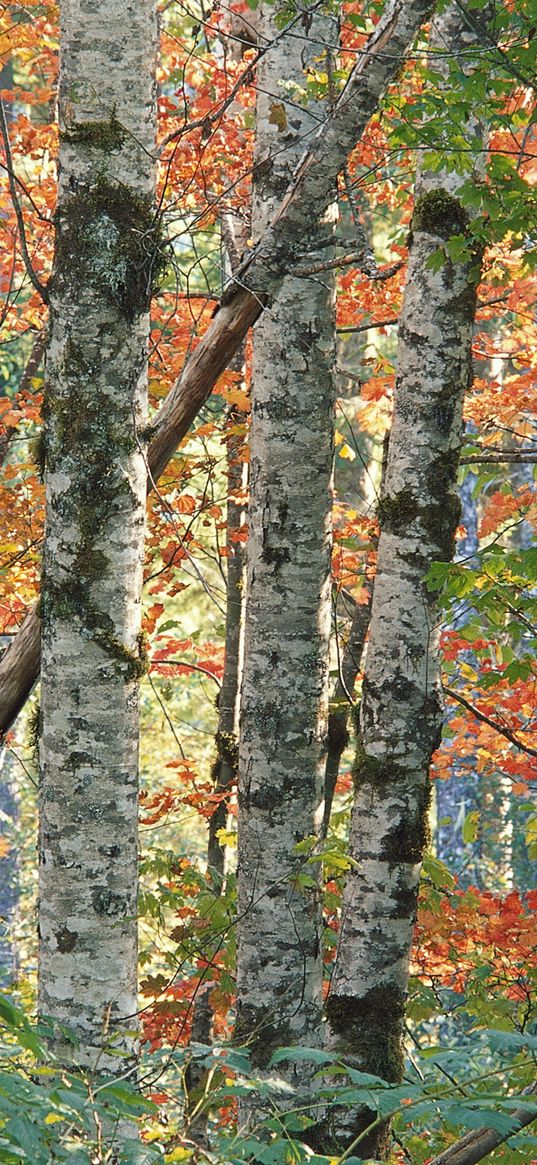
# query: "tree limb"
{"type": "Point", "coordinates": [366, 327]}
{"type": "Point", "coordinates": [480, 1142]}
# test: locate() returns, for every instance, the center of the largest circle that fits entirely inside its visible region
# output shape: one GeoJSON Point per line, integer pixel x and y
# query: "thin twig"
{"type": "Point", "coordinates": [354, 259]}
{"type": "Point", "coordinates": [185, 663]}
{"type": "Point", "coordinates": [366, 327]}
{"type": "Point", "coordinates": [523, 457]}
{"type": "Point", "coordinates": [509, 735]}
{"type": "Point", "coordinates": [39, 287]}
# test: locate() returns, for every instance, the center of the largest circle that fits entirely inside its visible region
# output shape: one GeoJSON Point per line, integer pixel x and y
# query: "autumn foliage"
{"type": "Point", "coordinates": [476, 938]}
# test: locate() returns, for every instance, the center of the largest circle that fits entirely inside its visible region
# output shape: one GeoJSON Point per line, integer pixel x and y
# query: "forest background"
{"type": "Point", "coordinates": [469, 1027]}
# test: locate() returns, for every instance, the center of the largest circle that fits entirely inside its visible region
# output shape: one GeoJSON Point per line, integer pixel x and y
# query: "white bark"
{"type": "Point", "coordinates": [401, 711]}
{"type": "Point", "coordinates": [284, 703]}
{"type": "Point", "coordinates": [106, 252]}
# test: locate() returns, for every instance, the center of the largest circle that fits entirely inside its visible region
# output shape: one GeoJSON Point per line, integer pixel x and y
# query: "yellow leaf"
{"type": "Point", "coordinates": [531, 831]}
{"type": "Point", "coordinates": [52, 1118]}
{"type": "Point", "coordinates": [225, 837]}
{"type": "Point", "coordinates": [158, 388]}
{"type": "Point", "coordinates": [4, 847]}
{"type": "Point", "coordinates": [347, 453]}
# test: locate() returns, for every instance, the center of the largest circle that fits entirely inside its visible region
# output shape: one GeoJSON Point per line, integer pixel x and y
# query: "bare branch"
{"type": "Point", "coordinates": [506, 457]}
{"type": "Point", "coordinates": [39, 287]}
{"type": "Point", "coordinates": [366, 327]}
{"type": "Point", "coordinates": [354, 259]}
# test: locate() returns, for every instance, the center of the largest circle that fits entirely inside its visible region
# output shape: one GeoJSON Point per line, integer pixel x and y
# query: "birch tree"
{"type": "Point", "coordinates": [106, 258]}
{"type": "Point", "coordinates": [287, 627]}
{"type": "Point", "coordinates": [402, 709]}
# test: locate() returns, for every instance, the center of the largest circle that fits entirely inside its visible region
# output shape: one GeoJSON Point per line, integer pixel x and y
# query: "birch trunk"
{"type": "Point", "coordinates": [401, 710]}
{"type": "Point", "coordinates": [227, 736]}
{"type": "Point", "coordinates": [342, 700]}
{"type": "Point", "coordinates": [306, 199]}
{"type": "Point", "coordinates": [9, 868]}
{"type": "Point", "coordinates": [224, 771]}
{"type": "Point", "coordinates": [105, 259]}
{"type": "Point", "coordinates": [349, 663]}
{"type": "Point", "coordinates": [284, 705]}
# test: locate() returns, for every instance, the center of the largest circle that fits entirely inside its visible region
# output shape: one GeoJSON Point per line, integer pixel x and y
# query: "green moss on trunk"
{"type": "Point", "coordinates": [408, 840]}
{"type": "Point", "coordinates": [105, 135]}
{"type": "Point", "coordinates": [370, 1029]}
{"type": "Point", "coordinates": [439, 213]}
{"type": "Point", "coordinates": [396, 511]}
{"type": "Point", "coordinates": [109, 237]}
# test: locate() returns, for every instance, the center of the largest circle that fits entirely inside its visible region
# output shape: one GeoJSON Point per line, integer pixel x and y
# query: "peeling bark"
{"type": "Point", "coordinates": [107, 251]}
{"type": "Point", "coordinates": [401, 710]}
{"type": "Point", "coordinates": [306, 199]}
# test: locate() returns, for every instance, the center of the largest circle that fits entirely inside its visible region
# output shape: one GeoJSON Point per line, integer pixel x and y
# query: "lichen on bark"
{"type": "Point", "coordinates": [401, 707]}
{"type": "Point", "coordinates": [284, 705]}
{"type": "Point", "coordinates": [114, 234]}
{"type": "Point", "coordinates": [107, 255]}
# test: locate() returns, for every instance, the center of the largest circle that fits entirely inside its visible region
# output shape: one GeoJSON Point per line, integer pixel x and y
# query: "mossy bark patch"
{"type": "Point", "coordinates": [410, 836]}
{"type": "Point", "coordinates": [111, 236]}
{"type": "Point", "coordinates": [227, 745]}
{"type": "Point", "coordinates": [398, 510]}
{"type": "Point", "coordinates": [107, 135]}
{"type": "Point", "coordinates": [369, 1029]}
{"type": "Point", "coordinates": [381, 773]}
{"type": "Point", "coordinates": [439, 213]}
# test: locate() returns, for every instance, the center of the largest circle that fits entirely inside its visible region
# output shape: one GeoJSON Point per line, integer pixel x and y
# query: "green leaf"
{"type": "Point", "coordinates": [315, 1055]}
{"type": "Point", "coordinates": [10, 1014]}
{"type": "Point", "coordinates": [470, 827]}
{"type": "Point", "coordinates": [509, 1041]}
{"type": "Point", "coordinates": [25, 1135]}
{"type": "Point", "coordinates": [479, 1117]}
{"type": "Point", "coordinates": [439, 874]}
{"type": "Point", "coordinates": [437, 260]}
